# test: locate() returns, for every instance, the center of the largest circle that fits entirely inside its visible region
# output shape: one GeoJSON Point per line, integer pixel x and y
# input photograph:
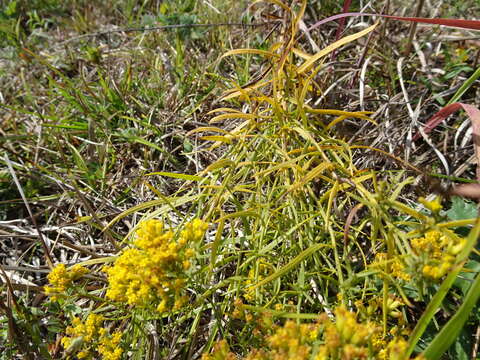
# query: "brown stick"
{"type": "Point", "coordinates": [413, 27]}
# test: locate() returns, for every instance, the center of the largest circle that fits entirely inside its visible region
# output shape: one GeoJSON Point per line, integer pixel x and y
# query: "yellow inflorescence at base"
{"type": "Point", "coordinates": [341, 337]}
{"type": "Point", "coordinates": [154, 271]}
{"type": "Point", "coordinates": [89, 337]}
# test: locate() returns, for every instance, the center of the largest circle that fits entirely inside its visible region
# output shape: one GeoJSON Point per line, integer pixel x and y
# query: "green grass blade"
{"type": "Point", "coordinates": [297, 260]}
{"type": "Point", "coordinates": [436, 302]}
{"type": "Point", "coordinates": [465, 86]}
{"type": "Point", "coordinates": [150, 144]}
{"type": "Point", "coordinates": [450, 331]}
{"type": "Point", "coordinates": [281, 314]}
{"type": "Point", "coordinates": [150, 204]}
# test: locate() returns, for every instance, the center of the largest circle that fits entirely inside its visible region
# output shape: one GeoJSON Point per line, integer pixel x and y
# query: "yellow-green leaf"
{"type": "Point", "coordinates": [223, 139]}
{"type": "Point", "coordinates": [297, 260]}
{"type": "Point", "coordinates": [177, 176]}
{"type": "Point", "coordinates": [232, 116]}
{"type": "Point", "coordinates": [249, 51]}
{"type": "Point", "coordinates": [309, 63]}
{"type": "Point", "coordinates": [312, 174]}
{"type": "Point", "coordinates": [219, 164]}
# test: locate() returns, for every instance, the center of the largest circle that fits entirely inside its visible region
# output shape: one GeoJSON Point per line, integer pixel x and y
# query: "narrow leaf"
{"type": "Point", "coordinates": [299, 258]}
{"type": "Point", "coordinates": [449, 333]}
{"type": "Point", "coordinates": [249, 51]}
{"type": "Point", "coordinates": [312, 174]}
{"type": "Point", "coordinates": [465, 24]}
{"type": "Point", "coordinates": [218, 165]}
{"type": "Point", "coordinates": [347, 39]}
{"type": "Point", "coordinates": [233, 116]}
{"type": "Point", "coordinates": [207, 129]}
{"type": "Point", "coordinates": [465, 86]}
{"type": "Point", "coordinates": [150, 204]}
{"type": "Point", "coordinates": [436, 301]}
{"type": "Point", "coordinates": [177, 176]}
{"type": "Point", "coordinates": [222, 139]}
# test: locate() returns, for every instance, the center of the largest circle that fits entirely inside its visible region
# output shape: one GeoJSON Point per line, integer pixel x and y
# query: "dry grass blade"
{"type": "Point", "coordinates": [465, 24]}
{"type": "Point", "coordinates": [469, 190]}
{"type": "Point", "coordinates": [348, 222]}
{"type": "Point", "coordinates": [43, 243]}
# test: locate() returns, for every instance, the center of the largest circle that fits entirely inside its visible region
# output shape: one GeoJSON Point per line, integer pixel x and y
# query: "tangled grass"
{"type": "Point", "coordinates": [289, 242]}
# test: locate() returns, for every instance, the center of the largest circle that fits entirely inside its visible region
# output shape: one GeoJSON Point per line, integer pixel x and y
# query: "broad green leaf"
{"type": "Point", "coordinates": [461, 209]}
{"type": "Point", "coordinates": [446, 337]}
{"type": "Point", "coordinates": [436, 301]}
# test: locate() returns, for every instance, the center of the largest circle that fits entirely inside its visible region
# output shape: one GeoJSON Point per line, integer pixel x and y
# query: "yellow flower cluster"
{"type": "Point", "coordinates": [341, 338]}
{"type": "Point", "coordinates": [289, 342]}
{"type": "Point", "coordinates": [259, 323]}
{"type": "Point", "coordinates": [89, 337]}
{"type": "Point", "coordinates": [373, 308]}
{"type": "Point", "coordinates": [108, 345]}
{"type": "Point", "coordinates": [395, 350]}
{"type": "Point", "coordinates": [345, 338]}
{"type": "Point", "coordinates": [221, 351]}
{"type": "Point", "coordinates": [393, 267]}
{"type": "Point", "coordinates": [60, 278]}
{"type": "Point", "coordinates": [292, 341]}
{"type": "Point", "coordinates": [154, 271]}
{"type": "Point", "coordinates": [436, 252]}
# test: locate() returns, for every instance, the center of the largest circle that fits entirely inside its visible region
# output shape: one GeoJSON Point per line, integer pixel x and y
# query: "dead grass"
{"type": "Point", "coordinates": [85, 115]}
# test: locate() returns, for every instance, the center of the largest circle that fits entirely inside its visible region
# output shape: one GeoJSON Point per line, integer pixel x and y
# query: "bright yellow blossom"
{"type": "Point", "coordinates": [393, 266]}
{"type": "Point", "coordinates": [153, 273]}
{"type": "Point", "coordinates": [435, 253]}
{"type": "Point", "coordinates": [343, 337]}
{"type": "Point", "coordinates": [61, 278]}
{"type": "Point", "coordinates": [221, 351]}
{"type": "Point", "coordinates": [289, 342]}
{"type": "Point", "coordinates": [109, 346]}
{"type": "Point", "coordinates": [89, 337]}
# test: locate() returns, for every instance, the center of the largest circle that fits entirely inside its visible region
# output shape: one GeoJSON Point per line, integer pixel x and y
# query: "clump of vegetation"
{"type": "Point", "coordinates": [154, 271]}
{"type": "Point", "coordinates": [297, 220]}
